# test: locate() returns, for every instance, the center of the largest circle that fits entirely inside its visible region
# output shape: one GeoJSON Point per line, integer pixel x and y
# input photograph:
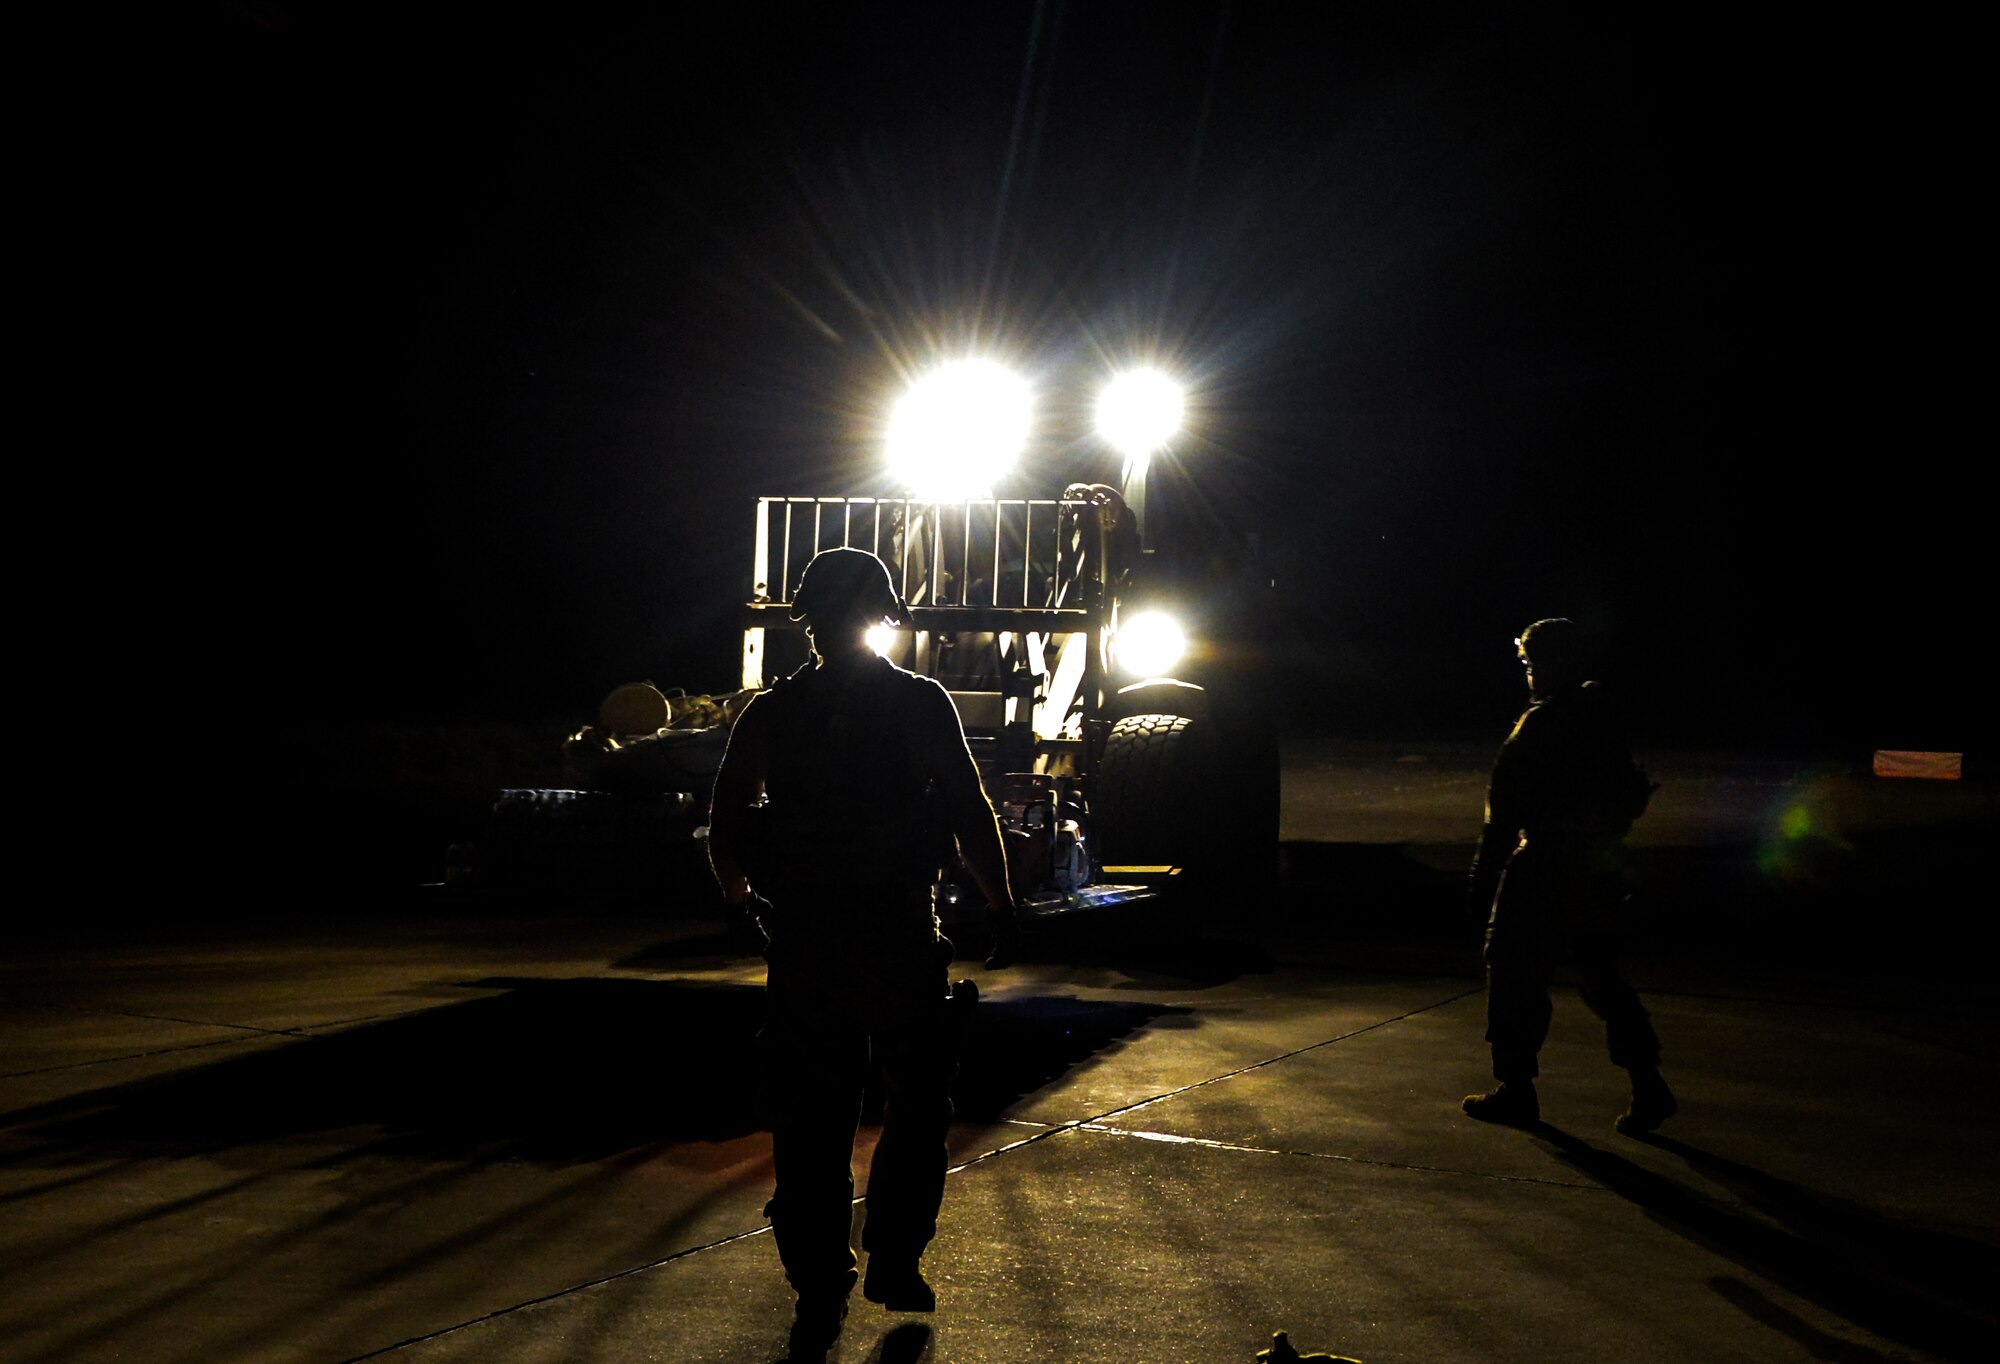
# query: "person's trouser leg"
{"type": "Point", "coordinates": [1519, 961]}
{"type": "Point", "coordinates": [816, 1063]}
{"type": "Point", "coordinates": [906, 1176]}
{"type": "Point", "coordinates": [1517, 1015]}
{"type": "Point", "coordinates": [1628, 1028]}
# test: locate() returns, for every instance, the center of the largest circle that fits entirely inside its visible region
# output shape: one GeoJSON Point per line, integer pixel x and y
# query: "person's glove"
{"type": "Point", "coordinates": [1003, 937]}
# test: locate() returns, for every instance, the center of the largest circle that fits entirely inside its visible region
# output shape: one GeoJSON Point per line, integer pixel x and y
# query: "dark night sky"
{"type": "Point", "coordinates": [500, 324]}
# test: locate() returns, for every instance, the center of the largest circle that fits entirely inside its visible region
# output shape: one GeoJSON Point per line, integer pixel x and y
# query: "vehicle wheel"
{"type": "Point", "coordinates": [1147, 793]}
{"type": "Point", "coordinates": [1202, 795]}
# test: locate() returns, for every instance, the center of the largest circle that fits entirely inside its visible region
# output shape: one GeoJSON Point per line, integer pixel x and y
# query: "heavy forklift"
{"type": "Point", "coordinates": [1129, 764]}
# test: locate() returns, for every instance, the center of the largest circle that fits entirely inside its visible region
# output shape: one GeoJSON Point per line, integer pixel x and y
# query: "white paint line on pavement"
{"type": "Point", "coordinates": [1176, 1139]}
{"type": "Point", "coordinates": [1082, 1123]}
{"type": "Point", "coordinates": [1094, 1124]}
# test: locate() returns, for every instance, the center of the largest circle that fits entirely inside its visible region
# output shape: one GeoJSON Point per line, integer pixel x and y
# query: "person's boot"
{"type": "Point", "coordinates": [897, 1283]}
{"type": "Point", "coordinates": [1512, 1103]}
{"type": "Point", "coordinates": [1652, 1104]}
{"type": "Point", "coordinates": [815, 1326]}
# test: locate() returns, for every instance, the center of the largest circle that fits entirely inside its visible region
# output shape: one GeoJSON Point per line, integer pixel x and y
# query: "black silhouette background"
{"type": "Point", "coordinates": [487, 328]}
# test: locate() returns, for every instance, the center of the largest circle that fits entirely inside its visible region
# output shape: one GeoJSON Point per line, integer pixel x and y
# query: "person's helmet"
{"type": "Point", "coordinates": [840, 581]}
{"type": "Point", "coordinates": [1555, 645]}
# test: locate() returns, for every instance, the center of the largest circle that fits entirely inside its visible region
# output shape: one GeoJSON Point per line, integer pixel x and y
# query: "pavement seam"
{"type": "Point", "coordinates": [156, 1018]}
{"type": "Point", "coordinates": [310, 1030]}
{"type": "Point", "coordinates": [1078, 1124]}
{"type": "Point", "coordinates": [1099, 1124]}
{"type": "Point", "coordinates": [1081, 1124]}
{"type": "Point", "coordinates": [1286, 1056]}
{"type": "Point", "coordinates": [126, 1056]}
{"type": "Point", "coordinates": [599, 1282]}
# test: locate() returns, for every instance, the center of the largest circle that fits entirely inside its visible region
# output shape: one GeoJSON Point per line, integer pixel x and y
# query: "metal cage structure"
{"type": "Point", "coordinates": [1163, 787]}
{"type": "Point", "coordinates": [1011, 600]}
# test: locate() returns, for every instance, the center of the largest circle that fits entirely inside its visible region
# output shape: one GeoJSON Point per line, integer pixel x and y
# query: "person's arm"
{"type": "Point", "coordinates": [970, 813]}
{"type": "Point", "coordinates": [1502, 830]}
{"type": "Point", "coordinates": [738, 783]}
{"type": "Point", "coordinates": [972, 821]}
{"type": "Point", "coordinates": [985, 855]}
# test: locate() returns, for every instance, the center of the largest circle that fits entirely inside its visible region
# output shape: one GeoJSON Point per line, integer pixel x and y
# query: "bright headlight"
{"type": "Point", "coordinates": [1139, 411]}
{"type": "Point", "coordinates": [959, 430]}
{"type": "Point", "coordinates": [881, 638]}
{"type": "Point", "coordinates": [1149, 644]}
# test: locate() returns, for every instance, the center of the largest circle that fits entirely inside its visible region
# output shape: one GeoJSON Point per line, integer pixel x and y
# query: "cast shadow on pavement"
{"type": "Point", "coordinates": [555, 1071]}
{"type": "Point", "coordinates": [1924, 1289]}
{"type": "Point", "coordinates": [1148, 947]}
{"type": "Point", "coordinates": [551, 1071]}
{"type": "Point", "coordinates": [1020, 1044]}
{"type": "Point", "coordinates": [1371, 888]}
{"type": "Point", "coordinates": [903, 1344]}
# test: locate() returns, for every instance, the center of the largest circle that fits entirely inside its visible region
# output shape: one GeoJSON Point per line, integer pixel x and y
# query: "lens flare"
{"type": "Point", "coordinates": [1140, 411]}
{"type": "Point", "coordinates": [1149, 644]}
{"type": "Point", "coordinates": [959, 430]}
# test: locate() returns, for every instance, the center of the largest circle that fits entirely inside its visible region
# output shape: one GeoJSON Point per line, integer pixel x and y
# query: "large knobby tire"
{"type": "Point", "coordinates": [1200, 795]}
{"type": "Point", "coordinates": [1147, 793]}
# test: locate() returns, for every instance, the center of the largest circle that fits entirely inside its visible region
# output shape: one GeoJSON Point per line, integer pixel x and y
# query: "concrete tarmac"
{"type": "Point", "coordinates": [426, 1128]}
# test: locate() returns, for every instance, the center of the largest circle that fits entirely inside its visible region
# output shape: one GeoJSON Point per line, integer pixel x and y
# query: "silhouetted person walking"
{"type": "Point", "coordinates": [869, 782]}
{"type": "Point", "coordinates": [1549, 879]}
